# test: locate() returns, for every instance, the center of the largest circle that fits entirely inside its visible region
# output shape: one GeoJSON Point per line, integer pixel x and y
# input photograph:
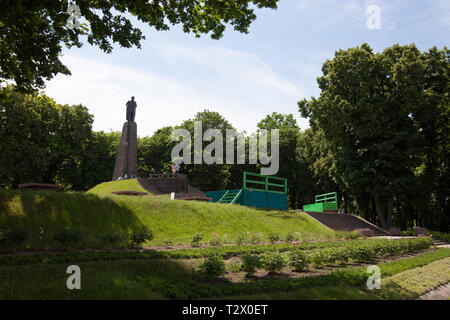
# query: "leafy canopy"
{"type": "Point", "coordinates": [32, 32]}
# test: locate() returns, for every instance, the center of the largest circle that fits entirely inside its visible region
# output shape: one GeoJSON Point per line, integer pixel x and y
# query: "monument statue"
{"type": "Point", "coordinates": [126, 160]}
{"type": "Point", "coordinates": [131, 110]}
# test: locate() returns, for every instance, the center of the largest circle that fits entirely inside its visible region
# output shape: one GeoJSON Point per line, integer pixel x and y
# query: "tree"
{"type": "Point", "coordinates": [289, 165]}
{"type": "Point", "coordinates": [207, 177]}
{"type": "Point", "coordinates": [373, 112]}
{"type": "Point", "coordinates": [41, 141]}
{"type": "Point", "coordinates": [32, 33]}
{"type": "Point", "coordinates": [155, 152]}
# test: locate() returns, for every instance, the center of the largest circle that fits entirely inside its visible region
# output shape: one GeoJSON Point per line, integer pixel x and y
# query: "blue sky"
{"type": "Point", "coordinates": [243, 77]}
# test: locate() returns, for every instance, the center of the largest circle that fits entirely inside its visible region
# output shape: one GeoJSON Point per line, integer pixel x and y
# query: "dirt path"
{"type": "Point", "coordinates": [441, 293]}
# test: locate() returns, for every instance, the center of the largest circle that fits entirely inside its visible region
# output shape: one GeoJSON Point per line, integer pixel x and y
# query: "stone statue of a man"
{"type": "Point", "coordinates": [131, 110]}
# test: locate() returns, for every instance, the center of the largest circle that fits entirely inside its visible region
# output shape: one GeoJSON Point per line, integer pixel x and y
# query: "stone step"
{"type": "Point", "coordinates": [344, 222]}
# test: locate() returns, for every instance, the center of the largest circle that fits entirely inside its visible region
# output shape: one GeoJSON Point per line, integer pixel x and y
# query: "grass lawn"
{"type": "Point", "coordinates": [42, 214]}
{"type": "Point", "coordinates": [176, 279]}
{"type": "Point", "coordinates": [106, 188]}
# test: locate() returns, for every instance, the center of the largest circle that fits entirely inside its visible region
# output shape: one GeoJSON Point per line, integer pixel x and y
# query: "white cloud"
{"type": "Point", "coordinates": [241, 87]}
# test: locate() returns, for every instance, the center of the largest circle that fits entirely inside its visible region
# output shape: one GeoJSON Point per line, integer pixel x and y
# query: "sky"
{"type": "Point", "coordinates": [244, 77]}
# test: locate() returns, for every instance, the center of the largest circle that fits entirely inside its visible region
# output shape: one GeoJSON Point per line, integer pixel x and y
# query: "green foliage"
{"type": "Point", "coordinates": [440, 235]}
{"type": "Point", "coordinates": [298, 260]}
{"type": "Point", "coordinates": [383, 117]}
{"type": "Point", "coordinates": [273, 237]}
{"type": "Point", "coordinates": [250, 263]}
{"type": "Point", "coordinates": [140, 236]}
{"type": "Point", "coordinates": [257, 238]}
{"type": "Point", "coordinates": [212, 268]}
{"type": "Point", "coordinates": [112, 237]}
{"type": "Point", "coordinates": [273, 262]}
{"type": "Point", "coordinates": [215, 241]}
{"type": "Point", "coordinates": [242, 238]}
{"type": "Point", "coordinates": [68, 236]}
{"type": "Point", "coordinates": [195, 240]}
{"type": "Point", "coordinates": [236, 267]}
{"type": "Point", "coordinates": [12, 237]}
{"type": "Point", "coordinates": [347, 235]}
{"type": "Point", "coordinates": [31, 46]}
{"type": "Point", "coordinates": [290, 237]}
{"type": "Point", "coordinates": [168, 242]}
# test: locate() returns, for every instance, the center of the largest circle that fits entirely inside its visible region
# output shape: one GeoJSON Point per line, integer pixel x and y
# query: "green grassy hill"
{"type": "Point", "coordinates": [42, 214]}
{"type": "Point", "coordinates": [106, 188]}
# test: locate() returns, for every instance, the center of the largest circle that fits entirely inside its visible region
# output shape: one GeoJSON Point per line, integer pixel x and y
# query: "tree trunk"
{"type": "Point", "coordinates": [384, 218]}
{"type": "Point", "coordinates": [380, 214]}
{"type": "Point", "coordinates": [389, 214]}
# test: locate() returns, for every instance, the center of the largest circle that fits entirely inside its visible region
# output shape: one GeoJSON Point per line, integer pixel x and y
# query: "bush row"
{"type": "Point", "coordinates": [73, 236]}
{"type": "Point", "coordinates": [224, 252]}
{"type": "Point", "coordinates": [186, 288]}
{"type": "Point", "coordinates": [272, 237]}
{"type": "Point", "coordinates": [299, 260]}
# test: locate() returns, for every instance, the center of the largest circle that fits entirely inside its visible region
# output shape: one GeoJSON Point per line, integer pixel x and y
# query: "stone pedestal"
{"type": "Point", "coordinates": [126, 161]}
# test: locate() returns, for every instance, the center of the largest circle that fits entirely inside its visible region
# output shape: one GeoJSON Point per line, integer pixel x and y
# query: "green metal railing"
{"type": "Point", "coordinates": [326, 198]}
{"type": "Point", "coordinates": [265, 183]}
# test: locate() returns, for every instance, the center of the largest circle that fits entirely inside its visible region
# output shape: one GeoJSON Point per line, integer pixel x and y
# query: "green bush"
{"type": "Point", "coordinates": [273, 262]}
{"type": "Point", "coordinates": [215, 241]}
{"type": "Point", "coordinates": [241, 239]}
{"type": "Point", "coordinates": [408, 233]}
{"type": "Point", "coordinates": [140, 236]}
{"type": "Point", "coordinates": [257, 238]}
{"type": "Point", "coordinates": [290, 237]}
{"type": "Point", "coordinates": [250, 263]}
{"type": "Point", "coordinates": [440, 235]}
{"type": "Point", "coordinates": [212, 268]}
{"type": "Point", "coordinates": [364, 253]}
{"type": "Point", "coordinates": [12, 238]}
{"type": "Point", "coordinates": [298, 260]}
{"type": "Point", "coordinates": [168, 242]}
{"type": "Point", "coordinates": [112, 237]}
{"type": "Point", "coordinates": [236, 267]}
{"type": "Point", "coordinates": [68, 236]}
{"type": "Point", "coordinates": [347, 235]}
{"type": "Point", "coordinates": [273, 237]}
{"type": "Point", "coordinates": [195, 240]}
{"type": "Point", "coordinates": [318, 259]}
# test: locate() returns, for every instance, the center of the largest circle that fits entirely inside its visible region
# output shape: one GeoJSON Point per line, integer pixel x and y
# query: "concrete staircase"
{"type": "Point", "coordinates": [345, 222]}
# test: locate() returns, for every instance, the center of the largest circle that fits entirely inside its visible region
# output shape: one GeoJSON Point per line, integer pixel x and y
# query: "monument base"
{"type": "Point", "coordinates": [126, 160]}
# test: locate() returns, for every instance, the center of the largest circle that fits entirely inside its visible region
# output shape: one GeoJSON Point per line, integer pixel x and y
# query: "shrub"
{"type": "Point", "coordinates": [273, 262]}
{"type": "Point", "coordinates": [241, 239]}
{"type": "Point", "coordinates": [215, 241]}
{"type": "Point", "coordinates": [68, 236]}
{"type": "Point", "coordinates": [347, 235]}
{"type": "Point", "coordinates": [138, 237]}
{"type": "Point", "coordinates": [250, 263]}
{"type": "Point", "coordinates": [364, 253]}
{"type": "Point", "coordinates": [195, 241]}
{"type": "Point", "coordinates": [408, 233]}
{"type": "Point", "coordinates": [318, 259]}
{"type": "Point", "coordinates": [212, 268]}
{"type": "Point", "coordinates": [290, 237]}
{"type": "Point", "coordinates": [297, 236]}
{"type": "Point", "coordinates": [273, 237]}
{"type": "Point", "coordinates": [257, 238]}
{"type": "Point", "coordinates": [236, 267]}
{"type": "Point", "coordinates": [111, 237]}
{"type": "Point", "coordinates": [298, 260]}
{"type": "Point", "coordinates": [12, 237]}
{"type": "Point", "coordinates": [168, 242]}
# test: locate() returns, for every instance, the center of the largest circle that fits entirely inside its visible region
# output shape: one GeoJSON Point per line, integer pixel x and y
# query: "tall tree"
{"type": "Point", "coordinates": [371, 112]}
{"type": "Point", "coordinates": [32, 33]}
{"type": "Point", "coordinates": [289, 133]}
